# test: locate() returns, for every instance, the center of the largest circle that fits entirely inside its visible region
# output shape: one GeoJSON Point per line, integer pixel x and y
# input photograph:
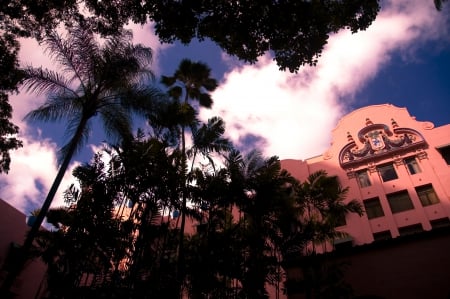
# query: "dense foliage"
{"type": "Point", "coordinates": [295, 31]}
{"type": "Point", "coordinates": [10, 76]}
{"type": "Point", "coordinates": [247, 217]}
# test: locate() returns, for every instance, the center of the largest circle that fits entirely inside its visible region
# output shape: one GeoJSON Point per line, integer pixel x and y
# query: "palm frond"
{"type": "Point", "coordinates": [253, 162]}
{"type": "Point", "coordinates": [205, 100]}
{"type": "Point", "coordinates": [74, 53]}
{"type": "Point", "coordinates": [209, 137]}
{"type": "Point", "coordinates": [168, 81]}
{"type": "Point", "coordinates": [56, 108]}
{"type": "Point", "coordinates": [42, 81]}
{"type": "Point", "coordinates": [116, 121]}
{"type": "Point", "coordinates": [141, 99]}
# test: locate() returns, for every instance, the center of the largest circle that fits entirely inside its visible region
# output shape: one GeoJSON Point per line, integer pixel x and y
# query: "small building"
{"type": "Point", "coordinates": [399, 169]}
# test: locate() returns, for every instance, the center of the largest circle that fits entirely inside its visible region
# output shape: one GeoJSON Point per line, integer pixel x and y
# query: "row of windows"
{"type": "Point", "coordinates": [387, 172]}
{"type": "Point", "coordinates": [400, 201]}
{"type": "Point", "coordinates": [411, 229]}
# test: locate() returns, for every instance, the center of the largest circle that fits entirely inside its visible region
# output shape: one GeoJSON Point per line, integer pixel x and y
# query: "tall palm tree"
{"type": "Point", "coordinates": [191, 82]}
{"type": "Point", "coordinates": [109, 79]}
{"type": "Point", "coordinates": [320, 206]}
{"type": "Point", "coordinates": [322, 200]}
{"type": "Point", "coordinates": [260, 189]}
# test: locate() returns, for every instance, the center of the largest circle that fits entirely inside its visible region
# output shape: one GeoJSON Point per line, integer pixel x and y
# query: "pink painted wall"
{"type": "Point", "coordinates": [434, 170]}
{"type": "Point", "coordinates": [13, 229]}
{"type": "Point", "coordinates": [415, 269]}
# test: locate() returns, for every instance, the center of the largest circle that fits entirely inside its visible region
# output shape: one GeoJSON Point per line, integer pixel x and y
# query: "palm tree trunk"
{"type": "Point", "coordinates": [23, 256]}
{"type": "Point", "coordinates": [180, 264]}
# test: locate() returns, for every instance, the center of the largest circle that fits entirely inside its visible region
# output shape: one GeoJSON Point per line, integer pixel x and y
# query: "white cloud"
{"type": "Point", "coordinates": [144, 34]}
{"type": "Point", "coordinates": [33, 169]}
{"type": "Point", "coordinates": [295, 113]}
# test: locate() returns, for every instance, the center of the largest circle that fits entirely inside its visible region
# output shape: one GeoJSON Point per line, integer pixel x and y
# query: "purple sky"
{"type": "Point", "coordinates": [402, 59]}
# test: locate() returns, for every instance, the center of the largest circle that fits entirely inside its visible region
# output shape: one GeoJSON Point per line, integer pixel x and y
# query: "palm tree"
{"type": "Point", "coordinates": [320, 206]}
{"type": "Point", "coordinates": [90, 241]}
{"type": "Point", "coordinates": [108, 79]}
{"type": "Point", "coordinates": [260, 189]}
{"type": "Point", "coordinates": [322, 200]}
{"type": "Point", "coordinates": [208, 138]}
{"type": "Point", "coordinates": [190, 82]}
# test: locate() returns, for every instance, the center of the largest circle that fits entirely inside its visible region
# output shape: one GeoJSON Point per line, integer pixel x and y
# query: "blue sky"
{"type": "Point", "coordinates": [402, 59]}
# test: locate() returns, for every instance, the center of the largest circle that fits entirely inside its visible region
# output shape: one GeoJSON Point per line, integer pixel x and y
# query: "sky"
{"type": "Point", "coordinates": [403, 59]}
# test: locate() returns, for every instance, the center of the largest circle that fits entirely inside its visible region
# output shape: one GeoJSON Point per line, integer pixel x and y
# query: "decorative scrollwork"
{"type": "Point", "coordinates": [378, 141]}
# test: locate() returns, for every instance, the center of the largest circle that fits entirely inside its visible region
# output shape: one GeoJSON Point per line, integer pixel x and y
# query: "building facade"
{"type": "Point", "coordinates": [399, 169]}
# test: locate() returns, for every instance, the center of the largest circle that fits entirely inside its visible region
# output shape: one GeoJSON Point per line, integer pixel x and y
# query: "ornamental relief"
{"type": "Point", "coordinates": [378, 140]}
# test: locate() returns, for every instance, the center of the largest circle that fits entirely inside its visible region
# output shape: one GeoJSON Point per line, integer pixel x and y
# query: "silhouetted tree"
{"type": "Point", "coordinates": [320, 207]}
{"type": "Point", "coordinates": [89, 241]}
{"type": "Point", "coordinates": [109, 79]}
{"type": "Point", "coordinates": [10, 76]}
{"type": "Point", "coordinates": [190, 82]}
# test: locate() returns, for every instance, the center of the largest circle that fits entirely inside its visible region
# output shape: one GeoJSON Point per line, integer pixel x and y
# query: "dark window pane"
{"type": "Point", "coordinates": [410, 229]}
{"type": "Point", "coordinates": [400, 201]}
{"type": "Point", "coordinates": [373, 208]}
{"type": "Point", "coordinates": [427, 195]}
{"type": "Point", "coordinates": [363, 178]}
{"type": "Point", "coordinates": [384, 235]}
{"type": "Point", "coordinates": [445, 153]}
{"type": "Point", "coordinates": [387, 172]}
{"type": "Point", "coordinates": [442, 222]}
{"type": "Point", "coordinates": [412, 165]}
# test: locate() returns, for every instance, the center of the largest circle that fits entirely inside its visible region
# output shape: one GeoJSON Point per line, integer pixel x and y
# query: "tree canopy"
{"type": "Point", "coordinates": [10, 76]}
{"type": "Point", "coordinates": [294, 31]}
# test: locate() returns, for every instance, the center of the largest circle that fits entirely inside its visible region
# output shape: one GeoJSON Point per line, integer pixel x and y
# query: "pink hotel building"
{"type": "Point", "coordinates": [399, 169]}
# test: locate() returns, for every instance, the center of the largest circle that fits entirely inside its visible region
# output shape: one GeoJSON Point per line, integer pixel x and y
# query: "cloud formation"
{"type": "Point", "coordinates": [292, 115]}
{"type": "Point", "coordinates": [284, 114]}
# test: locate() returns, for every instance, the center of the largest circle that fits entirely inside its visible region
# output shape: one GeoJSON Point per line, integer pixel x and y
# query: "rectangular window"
{"type": "Point", "coordinates": [445, 153]}
{"type": "Point", "coordinates": [384, 235]}
{"type": "Point", "coordinates": [410, 229]}
{"type": "Point", "coordinates": [427, 195]}
{"type": "Point", "coordinates": [387, 172]}
{"type": "Point", "coordinates": [400, 201]}
{"type": "Point", "coordinates": [363, 178]}
{"type": "Point", "coordinates": [373, 208]}
{"type": "Point", "coordinates": [438, 223]}
{"type": "Point", "coordinates": [412, 165]}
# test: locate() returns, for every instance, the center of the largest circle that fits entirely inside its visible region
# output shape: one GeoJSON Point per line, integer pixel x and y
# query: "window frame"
{"type": "Point", "coordinates": [410, 229]}
{"type": "Point", "coordinates": [445, 153]}
{"type": "Point", "coordinates": [375, 208]}
{"type": "Point", "coordinates": [382, 236]}
{"type": "Point", "coordinates": [386, 169]}
{"type": "Point", "coordinates": [363, 176]}
{"type": "Point", "coordinates": [426, 190]}
{"type": "Point", "coordinates": [395, 205]}
{"type": "Point", "coordinates": [412, 165]}
{"type": "Point", "coordinates": [341, 221]}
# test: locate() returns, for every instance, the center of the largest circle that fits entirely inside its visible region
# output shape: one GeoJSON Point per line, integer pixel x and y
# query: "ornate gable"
{"type": "Point", "coordinates": [378, 141]}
